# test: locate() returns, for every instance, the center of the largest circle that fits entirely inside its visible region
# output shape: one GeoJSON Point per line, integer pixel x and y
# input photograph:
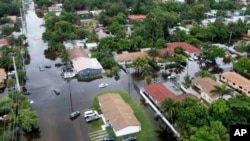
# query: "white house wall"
{"type": "Point", "coordinates": [127, 130]}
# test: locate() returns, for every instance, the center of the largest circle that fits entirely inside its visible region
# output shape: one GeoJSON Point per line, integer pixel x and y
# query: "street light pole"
{"type": "Point", "coordinates": [17, 79]}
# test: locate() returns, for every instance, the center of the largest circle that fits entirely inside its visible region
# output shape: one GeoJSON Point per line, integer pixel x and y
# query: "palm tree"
{"type": "Point", "coordinates": [187, 81]}
{"type": "Point", "coordinates": [221, 90]}
{"type": "Point", "coordinates": [139, 63]}
{"type": "Point", "coordinates": [168, 107]}
{"type": "Point", "coordinates": [147, 70]}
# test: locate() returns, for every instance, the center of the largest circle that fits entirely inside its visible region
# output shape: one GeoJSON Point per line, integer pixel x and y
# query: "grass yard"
{"type": "Point", "coordinates": [146, 133]}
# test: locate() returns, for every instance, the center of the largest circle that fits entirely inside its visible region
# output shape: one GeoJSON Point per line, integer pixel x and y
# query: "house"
{"type": "Point", "coordinates": [136, 17]}
{"type": "Point", "coordinates": [102, 34]}
{"type": "Point", "coordinates": [236, 81]}
{"type": "Point", "coordinates": [158, 93]}
{"type": "Point", "coordinates": [118, 115]}
{"type": "Point", "coordinates": [91, 46]}
{"type": "Point", "coordinates": [222, 64]}
{"type": "Point", "coordinates": [55, 8]}
{"type": "Point", "coordinates": [4, 42]}
{"type": "Point", "coordinates": [85, 66]}
{"type": "Point", "coordinates": [91, 23]}
{"type": "Point", "coordinates": [77, 52]}
{"type": "Point", "coordinates": [205, 86]}
{"type": "Point", "coordinates": [74, 44]}
{"type": "Point", "coordinates": [2, 78]}
{"type": "Point", "coordinates": [189, 49]}
{"type": "Point", "coordinates": [12, 18]}
{"type": "Point", "coordinates": [82, 12]}
{"type": "Point", "coordinates": [127, 58]}
{"type": "Point", "coordinates": [96, 12]}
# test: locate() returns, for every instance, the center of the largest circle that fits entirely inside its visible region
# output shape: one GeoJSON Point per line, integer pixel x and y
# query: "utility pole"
{"type": "Point", "coordinates": [17, 79]}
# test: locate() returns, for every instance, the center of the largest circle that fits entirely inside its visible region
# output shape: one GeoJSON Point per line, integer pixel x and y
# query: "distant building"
{"type": "Point", "coordinates": [236, 81]}
{"type": "Point", "coordinates": [12, 18]}
{"type": "Point", "coordinates": [82, 12]}
{"type": "Point", "coordinates": [118, 115]}
{"type": "Point", "coordinates": [205, 86]}
{"type": "Point", "coordinates": [189, 49]}
{"type": "Point", "coordinates": [136, 17]}
{"type": "Point", "coordinates": [91, 23]}
{"type": "Point", "coordinates": [158, 93]}
{"type": "Point", "coordinates": [2, 78]}
{"type": "Point", "coordinates": [55, 8]}
{"type": "Point", "coordinates": [4, 42]}
{"type": "Point", "coordinates": [96, 12]}
{"type": "Point", "coordinates": [127, 58]}
{"type": "Point", "coordinates": [91, 46]}
{"type": "Point", "coordinates": [225, 66]}
{"type": "Point", "coordinates": [86, 66]}
{"type": "Point", "coordinates": [74, 44]}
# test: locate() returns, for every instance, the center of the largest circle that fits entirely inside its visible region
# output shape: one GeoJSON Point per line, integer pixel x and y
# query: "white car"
{"type": "Point", "coordinates": [190, 59]}
{"type": "Point", "coordinates": [90, 113]}
{"type": "Point", "coordinates": [68, 75]}
{"type": "Point", "coordinates": [102, 85]}
{"type": "Point", "coordinates": [172, 76]}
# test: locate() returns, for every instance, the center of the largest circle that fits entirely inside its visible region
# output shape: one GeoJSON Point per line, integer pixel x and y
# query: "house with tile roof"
{"type": "Point", "coordinates": [236, 81]}
{"type": "Point", "coordinates": [118, 114]}
{"type": "Point", "coordinates": [136, 17]}
{"type": "Point", "coordinates": [158, 93]}
{"type": "Point", "coordinates": [205, 86]}
{"type": "Point", "coordinates": [4, 42]}
{"type": "Point", "coordinates": [188, 48]}
{"type": "Point", "coordinates": [128, 57]}
{"type": "Point", "coordinates": [2, 78]}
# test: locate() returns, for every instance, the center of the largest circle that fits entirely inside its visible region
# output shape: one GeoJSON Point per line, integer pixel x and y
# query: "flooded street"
{"type": "Point", "coordinates": [54, 110]}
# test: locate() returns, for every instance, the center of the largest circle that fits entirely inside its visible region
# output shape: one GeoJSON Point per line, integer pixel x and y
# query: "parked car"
{"type": "Point", "coordinates": [157, 81]}
{"type": "Point", "coordinates": [48, 66]}
{"type": "Point", "coordinates": [74, 115]}
{"type": "Point", "coordinates": [27, 93]}
{"type": "Point", "coordinates": [109, 138]}
{"type": "Point", "coordinates": [102, 85]}
{"type": "Point", "coordinates": [57, 92]}
{"type": "Point", "coordinates": [67, 69]}
{"type": "Point", "coordinates": [68, 75]}
{"type": "Point", "coordinates": [41, 68]}
{"type": "Point", "coordinates": [190, 59]}
{"type": "Point", "coordinates": [129, 138]}
{"type": "Point", "coordinates": [58, 64]}
{"type": "Point", "coordinates": [11, 73]}
{"type": "Point", "coordinates": [90, 113]}
{"type": "Point", "coordinates": [92, 118]}
{"type": "Point", "coordinates": [172, 76]}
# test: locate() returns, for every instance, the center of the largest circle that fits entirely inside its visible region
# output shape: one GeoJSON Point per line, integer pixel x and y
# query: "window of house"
{"type": "Point", "coordinates": [233, 83]}
{"type": "Point", "coordinates": [240, 87]}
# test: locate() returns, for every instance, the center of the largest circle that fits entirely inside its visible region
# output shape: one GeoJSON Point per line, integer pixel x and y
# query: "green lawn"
{"type": "Point", "coordinates": [146, 133]}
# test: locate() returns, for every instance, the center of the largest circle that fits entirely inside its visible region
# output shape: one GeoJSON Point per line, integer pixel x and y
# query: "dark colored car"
{"type": "Point", "coordinates": [74, 115]}
{"type": "Point", "coordinates": [129, 138]}
{"type": "Point", "coordinates": [67, 69]}
{"type": "Point", "coordinates": [27, 93]}
{"type": "Point", "coordinates": [92, 118]}
{"type": "Point", "coordinates": [56, 92]}
{"type": "Point", "coordinates": [109, 138]}
{"type": "Point", "coordinates": [48, 66]}
{"type": "Point", "coordinates": [58, 64]}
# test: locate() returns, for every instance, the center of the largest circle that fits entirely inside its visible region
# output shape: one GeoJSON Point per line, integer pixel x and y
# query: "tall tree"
{"type": "Point", "coordinates": [168, 107]}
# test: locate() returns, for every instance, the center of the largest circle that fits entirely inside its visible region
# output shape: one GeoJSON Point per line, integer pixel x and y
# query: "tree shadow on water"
{"type": "Point", "coordinates": [33, 135]}
{"type": "Point", "coordinates": [165, 134]}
